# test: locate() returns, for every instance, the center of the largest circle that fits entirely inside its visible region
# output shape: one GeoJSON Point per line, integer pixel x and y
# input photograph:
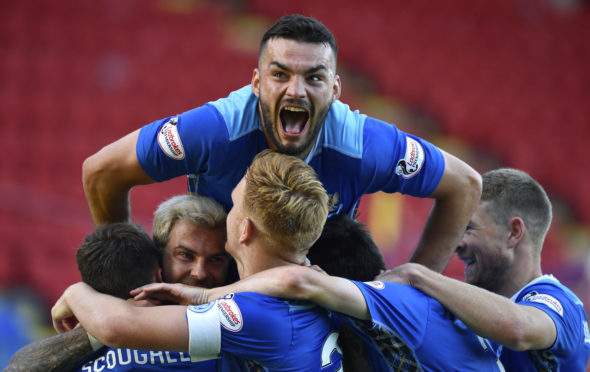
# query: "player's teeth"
{"type": "Point", "coordinates": [295, 109]}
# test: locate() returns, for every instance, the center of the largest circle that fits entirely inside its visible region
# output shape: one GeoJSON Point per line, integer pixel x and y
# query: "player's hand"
{"type": "Point", "coordinates": [62, 316]}
{"type": "Point", "coordinates": [177, 293]}
{"type": "Point", "coordinates": [400, 274]}
{"type": "Point", "coordinates": [144, 303]}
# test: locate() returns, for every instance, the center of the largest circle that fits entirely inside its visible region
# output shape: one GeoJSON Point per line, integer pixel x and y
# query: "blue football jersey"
{"type": "Point", "coordinates": [113, 359]}
{"type": "Point", "coordinates": [571, 349]}
{"type": "Point", "coordinates": [251, 332]}
{"type": "Point", "coordinates": [410, 331]}
{"type": "Point", "coordinates": [354, 154]}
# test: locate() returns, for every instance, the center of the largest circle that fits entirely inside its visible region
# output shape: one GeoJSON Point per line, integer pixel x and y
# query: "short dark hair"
{"type": "Point", "coordinates": [347, 249]}
{"type": "Point", "coordinates": [302, 29]}
{"type": "Point", "coordinates": [116, 258]}
{"type": "Point", "coordinates": [514, 193]}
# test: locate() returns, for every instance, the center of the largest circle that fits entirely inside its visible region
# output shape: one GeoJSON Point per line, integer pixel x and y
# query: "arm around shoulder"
{"type": "Point", "coordinates": [304, 283]}
{"type": "Point", "coordinates": [107, 177]}
{"type": "Point", "coordinates": [118, 323]}
{"type": "Point", "coordinates": [492, 316]}
{"type": "Point", "coordinates": [456, 197]}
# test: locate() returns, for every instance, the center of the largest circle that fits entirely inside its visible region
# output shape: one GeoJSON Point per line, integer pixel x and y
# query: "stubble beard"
{"type": "Point", "coordinates": [293, 150]}
{"type": "Point", "coordinates": [493, 277]}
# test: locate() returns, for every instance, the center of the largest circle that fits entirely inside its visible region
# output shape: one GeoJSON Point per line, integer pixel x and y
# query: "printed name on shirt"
{"type": "Point", "coordinates": [410, 165]}
{"type": "Point", "coordinates": [586, 332]}
{"type": "Point", "coordinates": [544, 299]}
{"type": "Point", "coordinates": [118, 358]}
{"type": "Point", "coordinates": [169, 140]}
{"type": "Point", "coordinates": [376, 284]}
{"type": "Point", "coordinates": [231, 317]}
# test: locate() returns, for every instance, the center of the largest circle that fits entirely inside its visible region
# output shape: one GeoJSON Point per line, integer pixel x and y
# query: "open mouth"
{"type": "Point", "coordinates": [293, 120]}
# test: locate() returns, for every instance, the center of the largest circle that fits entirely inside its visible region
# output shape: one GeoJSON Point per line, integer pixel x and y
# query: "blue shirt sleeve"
{"type": "Point", "coordinates": [563, 309]}
{"type": "Point", "coordinates": [394, 161]}
{"type": "Point", "coordinates": [182, 144]}
{"type": "Point", "coordinates": [400, 308]}
{"type": "Point", "coordinates": [255, 328]}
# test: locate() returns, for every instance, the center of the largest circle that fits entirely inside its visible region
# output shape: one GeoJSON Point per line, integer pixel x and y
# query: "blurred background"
{"type": "Point", "coordinates": [495, 82]}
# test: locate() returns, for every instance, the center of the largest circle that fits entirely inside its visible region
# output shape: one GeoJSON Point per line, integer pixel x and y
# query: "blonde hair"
{"type": "Point", "coordinates": [203, 211]}
{"type": "Point", "coordinates": [284, 195]}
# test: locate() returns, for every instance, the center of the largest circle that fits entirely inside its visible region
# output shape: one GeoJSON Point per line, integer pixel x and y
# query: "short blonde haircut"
{"type": "Point", "coordinates": [284, 195]}
{"type": "Point", "coordinates": [202, 211]}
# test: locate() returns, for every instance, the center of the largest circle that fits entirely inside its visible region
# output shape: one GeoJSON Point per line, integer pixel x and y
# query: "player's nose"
{"type": "Point", "coordinates": [296, 87]}
{"type": "Point", "coordinates": [198, 271]}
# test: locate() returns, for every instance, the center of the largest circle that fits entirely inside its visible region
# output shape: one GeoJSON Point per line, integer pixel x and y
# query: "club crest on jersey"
{"type": "Point", "coordinates": [201, 308]}
{"type": "Point", "coordinates": [231, 317]}
{"type": "Point", "coordinates": [334, 203]}
{"type": "Point", "coordinates": [376, 284]}
{"type": "Point", "coordinates": [544, 299]}
{"type": "Point", "coordinates": [412, 162]}
{"type": "Point", "coordinates": [169, 140]}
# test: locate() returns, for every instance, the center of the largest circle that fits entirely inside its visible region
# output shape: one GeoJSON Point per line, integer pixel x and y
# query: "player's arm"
{"type": "Point", "coordinates": [118, 323]}
{"type": "Point", "coordinates": [109, 175]}
{"type": "Point", "coordinates": [61, 352]}
{"type": "Point", "coordinates": [292, 282]}
{"type": "Point", "coordinates": [456, 197]}
{"type": "Point", "coordinates": [487, 314]}
{"type": "Point", "coordinates": [303, 283]}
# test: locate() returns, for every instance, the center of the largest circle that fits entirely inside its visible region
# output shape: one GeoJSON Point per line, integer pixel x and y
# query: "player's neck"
{"type": "Point", "coordinates": [525, 267]}
{"type": "Point", "coordinates": [518, 276]}
{"type": "Point", "coordinates": [259, 260]}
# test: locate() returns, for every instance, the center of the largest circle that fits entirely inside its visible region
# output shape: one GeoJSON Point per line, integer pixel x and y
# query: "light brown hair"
{"type": "Point", "coordinates": [202, 211]}
{"type": "Point", "coordinates": [284, 195]}
{"type": "Point", "coordinates": [514, 193]}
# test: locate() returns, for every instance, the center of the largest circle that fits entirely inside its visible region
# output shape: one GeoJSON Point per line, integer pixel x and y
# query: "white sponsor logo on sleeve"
{"type": "Point", "coordinates": [410, 165]}
{"type": "Point", "coordinates": [376, 284]}
{"type": "Point", "coordinates": [231, 317]}
{"type": "Point", "coordinates": [546, 300]}
{"type": "Point", "coordinates": [169, 140]}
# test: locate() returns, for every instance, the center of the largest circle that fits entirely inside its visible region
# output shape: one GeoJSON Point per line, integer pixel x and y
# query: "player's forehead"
{"type": "Point", "coordinates": [483, 213]}
{"type": "Point", "coordinates": [297, 55]}
{"type": "Point", "coordinates": [195, 238]}
{"type": "Point", "coordinates": [484, 219]}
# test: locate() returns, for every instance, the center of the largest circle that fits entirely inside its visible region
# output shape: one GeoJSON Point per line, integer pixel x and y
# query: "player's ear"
{"type": "Point", "coordinates": [337, 88]}
{"type": "Point", "coordinates": [256, 82]}
{"type": "Point", "coordinates": [246, 230]}
{"type": "Point", "coordinates": [517, 230]}
{"type": "Point", "coordinates": [158, 278]}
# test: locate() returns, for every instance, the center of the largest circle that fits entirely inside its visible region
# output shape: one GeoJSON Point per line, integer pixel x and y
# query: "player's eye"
{"type": "Point", "coordinates": [185, 255]}
{"type": "Point", "coordinates": [218, 259]}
